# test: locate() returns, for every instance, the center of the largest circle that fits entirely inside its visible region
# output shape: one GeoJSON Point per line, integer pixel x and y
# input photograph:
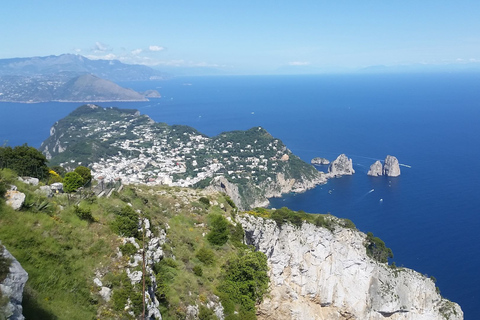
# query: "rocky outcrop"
{"type": "Point", "coordinates": [341, 166]}
{"type": "Point", "coordinates": [391, 167]}
{"type": "Point", "coordinates": [319, 161]}
{"type": "Point", "coordinates": [254, 195]}
{"type": "Point", "coordinates": [12, 288]}
{"type": "Point", "coordinates": [376, 169]}
{"type": "Point", "coordinates": [15, 198]}
{"type": "Point", "coordinates": [320, 274]}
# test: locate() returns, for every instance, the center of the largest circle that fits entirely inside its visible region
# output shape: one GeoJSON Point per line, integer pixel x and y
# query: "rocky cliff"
{"type": "Point", "coordinates": [321, 274]}
{"type": "Point", "coordinates": [391, 167]}
{"type": "Point", "coordinates": [376, 169]}
{"type": "Point", "coordinates": [319, 161]}
{"type": "Point", "coordinates": [341, 166]}
{"type": "Point", "coordinates": [11, 287]}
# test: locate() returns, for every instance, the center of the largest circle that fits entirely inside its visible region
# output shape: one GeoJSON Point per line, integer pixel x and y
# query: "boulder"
{"type": "Point", "coordinates": [341, 166]}
{"type": "Point", "coordinates": [29, 180]}
{"type": "Point", "coordinates": [376, 169]}
{"type": "Point", "coordinates": [15, 199]}
{"type": "Point", "coordinates": [391, 167]}
{"type": "Point", "coordinates": [57, 187]}
{"type": "Point", "coordinates": [12, 287]}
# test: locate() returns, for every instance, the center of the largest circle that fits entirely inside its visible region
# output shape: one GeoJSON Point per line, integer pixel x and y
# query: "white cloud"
{"type": "Point", "coordinates": [101, 47]}
{"type": "Point", "coordinates": [299, 63]}
{"type": "Point", "coordinates": [136, 51]}
{"type": "Point", "coordinates": [109, 56]}
{"type": "Point", "coordinates": [156, 48]}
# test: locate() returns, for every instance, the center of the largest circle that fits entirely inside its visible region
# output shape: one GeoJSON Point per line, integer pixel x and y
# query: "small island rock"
{"type": "Point", "coordinates": [319, 161]}
{"type": "Point", "coordinates": [341, 166]}
{"type": "Point", "coordinates": [391, 167]}
{"type": "Point", "coordinates": [376, 169]}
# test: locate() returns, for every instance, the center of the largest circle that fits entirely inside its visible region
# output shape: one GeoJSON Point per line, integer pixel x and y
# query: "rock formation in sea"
{"type": "Point", "coordinates": [391, 167]}
{"type": "Point", "coordinates": [341, 166]}
{"type": "Point", "coordinates": [12, 288]}
{"type": "Point", "coordinates": [316, 273]}
{"type": "Point", "coordinates": [376, 169]}
{"type": "Point", "coordinates": [320, 161]}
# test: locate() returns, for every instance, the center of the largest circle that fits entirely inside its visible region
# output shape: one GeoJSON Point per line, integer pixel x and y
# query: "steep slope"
{"type": "Point", "coordinates": [318, 273]}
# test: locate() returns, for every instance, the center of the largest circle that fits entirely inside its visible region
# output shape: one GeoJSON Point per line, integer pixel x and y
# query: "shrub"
{"type": "Point", "coordinates": [205, 313]}
{"type": "Point", "coordinates": [126, 222]}
{"type": "Point", "coordinates": [85, 173]}
{"type": "Point", "coordinates": [219, 233]}
{"type": "Point", "coordinates": [230, 202]}
{"type": "Point", "coordinates": [205, 201]}
{"type": "Point", "coordinates": [244, 283]}
{"type": "Point", "coordinates": [198, 271]}
{"type": "Point", "coordinates": [206, 256]}
{"type": "Point", "coordinates": [72, 182]}
{"type": "Point", "coordinates": [83, 213]}
{"type": "Point", "coordinates": [128, 249]}
{"type": "Point", "coordinates": [376, 249]}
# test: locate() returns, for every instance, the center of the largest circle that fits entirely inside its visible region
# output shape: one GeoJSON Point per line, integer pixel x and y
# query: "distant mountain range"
{"type": "Point", "coordinates": [71, 77]}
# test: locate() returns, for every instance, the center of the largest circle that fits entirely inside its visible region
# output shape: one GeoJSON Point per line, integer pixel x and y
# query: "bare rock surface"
{"type": "Point", "coordinates": [376, 169]}
{"type": "Point", "coordinates": [316, 273]}
{"type": "Point", "coordinates": [341, 166]}
{"type": "Point", "coordinates": [12, 288]}
{"type": "Point", "coordinates": [391, 167]}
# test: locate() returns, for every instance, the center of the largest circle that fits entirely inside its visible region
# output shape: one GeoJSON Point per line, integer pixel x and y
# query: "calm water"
{"type": "Point", "coordinates": [429, 216]}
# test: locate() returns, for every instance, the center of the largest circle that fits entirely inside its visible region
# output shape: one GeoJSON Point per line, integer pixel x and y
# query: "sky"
{"type": "Point", "coordinates": [246, 37]}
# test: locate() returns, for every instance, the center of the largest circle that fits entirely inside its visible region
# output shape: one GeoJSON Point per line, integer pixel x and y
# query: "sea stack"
{"type": "Point", "coordinates": [376, 169]}
{"type": "Point", "coordinates": [319, 161]}
{"type": "Point", "coordinates": [391, 167]}
{"type": "Point", "coordinates": [341, 166]}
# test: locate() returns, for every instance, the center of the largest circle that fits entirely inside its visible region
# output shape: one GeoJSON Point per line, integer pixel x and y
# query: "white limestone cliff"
{"type": "Point", "coordinates": [341, 166]}
{"type": "Point", "coordinates": [12, 288]}
{"type": "Point", "coordinates": [320, 274]}
{"type": "Point", "coordinates": [376, 169]}
{"type": "Point", "coordinates": [391, 167]}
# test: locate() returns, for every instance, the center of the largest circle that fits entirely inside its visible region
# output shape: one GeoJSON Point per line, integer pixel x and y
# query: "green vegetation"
{"type": "Point", "coordinates": [377, 249]}
{"type": "Point", "coordinates": [244, 283]}
{"type": "Point", "coordinates": [85, 173]}
{"type": "Point", "coordinates": [219, 230]}
{"type": "Point", "coordinates": [296, 218]}
{"type": "Point", "coordinates": [72, 182]}
{"type": "Point", "coordinates": [25, 161]}
{"type": "Point", "coordinates": [126, 222]}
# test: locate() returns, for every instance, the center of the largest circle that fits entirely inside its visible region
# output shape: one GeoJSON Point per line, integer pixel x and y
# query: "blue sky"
{"type": "Point", "coordinates": [246, 36]}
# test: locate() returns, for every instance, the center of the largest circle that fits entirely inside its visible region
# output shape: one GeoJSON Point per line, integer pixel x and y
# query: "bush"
{"type": "Point", "coordinates": [84, 213]}
{"type": "Point", "coordinates": [244, 283]}
{"type": "Point", "coordinates": [128, 249]}
{"type": "Point", "coordinates": [72, 182]}
{"type": "Point", "coordinates": [205, 313]}
{"type": "Point", "coordinates": [376, 249]}
{"type": "Point", "coordinates": [85, 173]}
{"type": "Point", "coordinates": [205, 201]}
{"type": "Point", "coordinates": [126, 222]}
{"type": "Point", "coordinates": [198, 271]}
{"type": "Point", "coordinates": [206, 256]}
{"type": "Point", "coordinates": [219, 233]}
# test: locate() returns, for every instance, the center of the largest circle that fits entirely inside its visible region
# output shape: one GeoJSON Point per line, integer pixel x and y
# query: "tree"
{"type": "Point", "coordinates": [219, 234]}
{"type": "Point", "coordinates": [25, 160]}
{"type": "Point", "coordinates": [72, 182]}
{"type": "Point", "coordinates": [85, 173]}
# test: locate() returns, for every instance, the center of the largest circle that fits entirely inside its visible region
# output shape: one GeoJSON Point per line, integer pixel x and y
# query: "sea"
{"type": "Point", "coordinates": [429, 216]}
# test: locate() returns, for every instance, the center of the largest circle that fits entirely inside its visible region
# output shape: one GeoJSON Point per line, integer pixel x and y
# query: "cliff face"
{"type": "Point", "coordinates": [319, 274]}
{"type": "Point", "coordinates": [12, 288]}
{"type": "Point", "coordinates": [341, 166]}
{"type": "Point", "coordinates": [391, 167]}
{"type": "Point", "coordinates": [376, 169]}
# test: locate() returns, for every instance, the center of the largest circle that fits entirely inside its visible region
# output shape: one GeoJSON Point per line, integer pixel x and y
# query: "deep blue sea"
{"type": "Point", "coordinates": [429, 216]}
